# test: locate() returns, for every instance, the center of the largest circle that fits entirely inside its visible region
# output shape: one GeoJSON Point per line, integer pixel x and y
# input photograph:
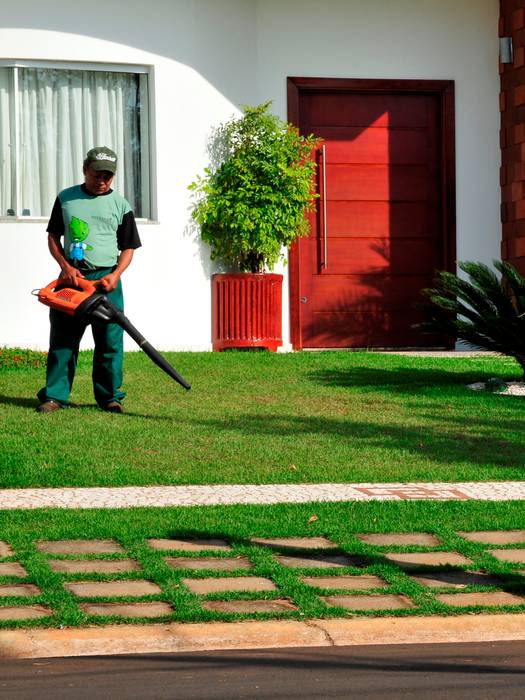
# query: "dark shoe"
{"type": "Point", "coordinates": [113, 407]}
{"type": "Point", "coordinates": [48, 406]}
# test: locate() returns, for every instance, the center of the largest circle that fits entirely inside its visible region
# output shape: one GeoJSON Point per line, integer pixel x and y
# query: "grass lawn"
{"type": "Point", "coordinates": [238, 524]}
{"type": "Point", "coordinates": [265, 418]}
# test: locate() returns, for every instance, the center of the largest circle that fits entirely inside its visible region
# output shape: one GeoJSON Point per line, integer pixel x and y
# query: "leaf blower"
{"type": "Point", "coordinates": [85, 303]}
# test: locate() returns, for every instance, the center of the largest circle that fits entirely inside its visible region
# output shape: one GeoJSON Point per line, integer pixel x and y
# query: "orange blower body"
{"type": "Point", "coordinates": [66, 299]}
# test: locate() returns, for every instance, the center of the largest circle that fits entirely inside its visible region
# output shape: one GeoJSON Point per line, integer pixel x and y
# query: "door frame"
{"type": "Point", "coordinates": [444, 91]}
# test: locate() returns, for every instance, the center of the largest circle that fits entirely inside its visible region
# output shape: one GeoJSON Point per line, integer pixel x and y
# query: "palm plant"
{"type": "Point", "coordinates": [486, 310]}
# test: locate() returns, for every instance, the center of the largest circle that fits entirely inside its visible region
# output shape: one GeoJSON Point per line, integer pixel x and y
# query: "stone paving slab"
{"type": "Point", "coordinates": [421, 539]}
{"type": "Point", "coordinates": [90, 566]}
{"type": "Point", "coordinates": [417, 560]}
{"type": "Point", "coordinates": [5, 550]}
{"type": "Point", "coordinates": [24, 612]}
{"type": "Point", "coordinates": [456, 579]}
{"type": "Point", "coordinates": [99, 589]}
{"type": "Point", "coordinates": [157, 609]}
{"type": "Point", "coordinates": [202, 586]}
{"type": "Point", "coordinates": [495, 536]}
{"type": "Point", "coordinates": [384, 601]}
{"type": "Point", "coordinates": [249, 606]}
{"type": "Point", "coordinates": [189, 545]}
{"type": "Point", "coordinates": [19, 589]}
{"type": "Point", "coordinates": [227, 494]}
{"type": "Point", "coordinates": [345, 582]}
{"type": "Point", "coordinates": [216, 563]}
{"type": "Point", "coordinates": [489, 598]}
{"type": "Point", "coordinates": [294, 542]}
{"type": "Point", "coordinates": [511, 555]}
{"type": "Point", "coordinates": [12, 568]}
{"type": "Point", "coordinates": [333, 561]}
{"type": "Point", "coordinates": [79, 547]}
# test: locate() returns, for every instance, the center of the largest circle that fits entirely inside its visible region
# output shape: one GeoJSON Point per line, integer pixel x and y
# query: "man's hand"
{"type": "Point", "coordinates": [69, 274]}
{"type": "Point", "coordinates": [109, 282]}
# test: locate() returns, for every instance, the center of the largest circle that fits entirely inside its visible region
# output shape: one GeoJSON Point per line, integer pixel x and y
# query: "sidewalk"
{"type": "Point", "coordinates": [105, 581]}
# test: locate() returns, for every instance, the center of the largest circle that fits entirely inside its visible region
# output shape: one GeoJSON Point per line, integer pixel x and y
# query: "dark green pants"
{"type": "Point", "coordinates": [65, 337]}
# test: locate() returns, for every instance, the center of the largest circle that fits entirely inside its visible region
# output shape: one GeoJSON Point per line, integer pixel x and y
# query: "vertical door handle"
{"type": "Point", "coordinates": [325, 225]}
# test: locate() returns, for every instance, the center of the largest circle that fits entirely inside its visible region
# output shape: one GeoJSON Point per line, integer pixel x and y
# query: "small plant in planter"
{"type": "Point", "coordinates": [485, 310]}
{"type": "Point", "coordinates": [252, 206]}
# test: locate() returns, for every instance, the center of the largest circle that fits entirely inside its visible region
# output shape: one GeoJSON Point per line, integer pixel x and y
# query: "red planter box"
{"type": "Point", "coordinates": [247, 311]}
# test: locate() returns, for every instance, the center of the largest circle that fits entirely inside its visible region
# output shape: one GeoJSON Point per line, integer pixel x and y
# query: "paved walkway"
{"type": "Point", "coordinates": [229, 494]}
{"type": "Point", "coordinates": [215, 576]}
{"type": "Point", "coordinates": [105, 581]}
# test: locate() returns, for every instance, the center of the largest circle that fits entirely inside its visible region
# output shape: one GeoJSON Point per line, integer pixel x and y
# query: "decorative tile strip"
{"type": "Point", "coordinates": [408, 492]}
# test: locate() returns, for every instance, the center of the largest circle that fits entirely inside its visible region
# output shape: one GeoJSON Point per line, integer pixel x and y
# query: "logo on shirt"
{"type": "Point", "coordinates": [104, 219]}
{"type": "Point", "coordinates": [78, 231]}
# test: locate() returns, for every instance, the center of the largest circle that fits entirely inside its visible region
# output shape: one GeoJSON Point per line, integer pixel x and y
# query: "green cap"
{"type": "Point", "coordinates": [102, 158]}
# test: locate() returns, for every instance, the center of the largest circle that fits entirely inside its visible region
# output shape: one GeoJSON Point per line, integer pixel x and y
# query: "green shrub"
{"type": "Point", "coordinates": [253, 203]}
{"type": "Point", "coordinates": [486, 310]}
{"type": "Point", "coordinates": [20, 358]}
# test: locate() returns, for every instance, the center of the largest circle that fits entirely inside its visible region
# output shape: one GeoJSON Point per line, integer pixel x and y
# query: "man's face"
{"type": "Point", "coordinates": [97, 181]}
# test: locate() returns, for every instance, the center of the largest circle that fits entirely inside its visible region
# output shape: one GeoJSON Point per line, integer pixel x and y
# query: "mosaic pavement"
{"type": "Point", "coordinates": [229, 494]}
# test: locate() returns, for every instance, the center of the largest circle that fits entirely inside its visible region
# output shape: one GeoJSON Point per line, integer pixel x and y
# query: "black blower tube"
{"type": "Point", "coordinates": [99, 306]}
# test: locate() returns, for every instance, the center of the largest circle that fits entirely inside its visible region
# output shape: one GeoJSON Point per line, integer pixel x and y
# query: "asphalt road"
{"type": "Point", "coordinates": [429, 672]}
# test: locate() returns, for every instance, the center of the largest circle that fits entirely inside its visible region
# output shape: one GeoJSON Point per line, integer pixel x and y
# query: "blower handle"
{"type": "Point", "coordinates": [81, 283]}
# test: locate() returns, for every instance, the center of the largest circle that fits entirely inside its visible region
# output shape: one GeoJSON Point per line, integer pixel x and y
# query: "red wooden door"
{"type": "Point", "coordinates": [378, 234]}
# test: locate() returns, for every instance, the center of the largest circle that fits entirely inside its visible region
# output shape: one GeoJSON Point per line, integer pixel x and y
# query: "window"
{"type": "Point", "coordinates": [50, 117]}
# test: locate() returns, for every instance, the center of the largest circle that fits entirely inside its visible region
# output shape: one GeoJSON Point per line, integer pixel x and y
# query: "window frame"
{"type": "Point", "coordinates": [15, 64]}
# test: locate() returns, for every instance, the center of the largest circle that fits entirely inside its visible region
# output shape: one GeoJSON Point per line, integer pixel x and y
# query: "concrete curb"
{"type": "Point", "coordinates": [191, 637]}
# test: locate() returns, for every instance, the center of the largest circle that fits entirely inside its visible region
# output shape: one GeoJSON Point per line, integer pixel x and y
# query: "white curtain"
{"type": "Point", "coordinates": [7, 199]}
{"type": "Point", "coordinates": [64, 113]}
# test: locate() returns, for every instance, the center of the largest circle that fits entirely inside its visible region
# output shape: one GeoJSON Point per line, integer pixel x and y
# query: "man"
{"type": "Point", "coordinates": [99, 238]}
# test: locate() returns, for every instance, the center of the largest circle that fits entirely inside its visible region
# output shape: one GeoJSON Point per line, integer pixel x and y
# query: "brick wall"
{"type": "Point", "coordinates": [512, 135]}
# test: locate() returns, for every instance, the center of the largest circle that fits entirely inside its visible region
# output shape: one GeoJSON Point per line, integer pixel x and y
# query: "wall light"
{"type": "Point", "coordinates": [505, 49]}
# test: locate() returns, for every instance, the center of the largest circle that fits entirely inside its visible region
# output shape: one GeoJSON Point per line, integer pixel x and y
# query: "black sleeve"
{"type": "Point", "coordinates": [56, 222]}
{"type": "Point", "coordinates": [127, 233]}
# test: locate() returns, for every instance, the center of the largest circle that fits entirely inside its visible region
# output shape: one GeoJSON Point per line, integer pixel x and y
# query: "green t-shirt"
{"type": "Point", "coordinates": [95, 227]}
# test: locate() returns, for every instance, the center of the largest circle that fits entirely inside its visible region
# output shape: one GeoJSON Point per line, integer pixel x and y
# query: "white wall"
{"type": "Point", "coordinates": [202, 55]}
{"type": "Point", "coordinates": [209, 56]}
{"type": "Point", "coordinates": [407, 39]}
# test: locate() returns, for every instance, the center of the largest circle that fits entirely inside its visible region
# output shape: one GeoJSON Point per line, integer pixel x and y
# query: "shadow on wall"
{"type": "Point", "coordinates": [216, 154]}
{"type": "Point", "coordinates": [208, 36]}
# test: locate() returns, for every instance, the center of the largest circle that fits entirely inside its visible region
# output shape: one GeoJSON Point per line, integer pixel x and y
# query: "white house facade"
{"type": "Point", "coordinates": [155, 78]}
